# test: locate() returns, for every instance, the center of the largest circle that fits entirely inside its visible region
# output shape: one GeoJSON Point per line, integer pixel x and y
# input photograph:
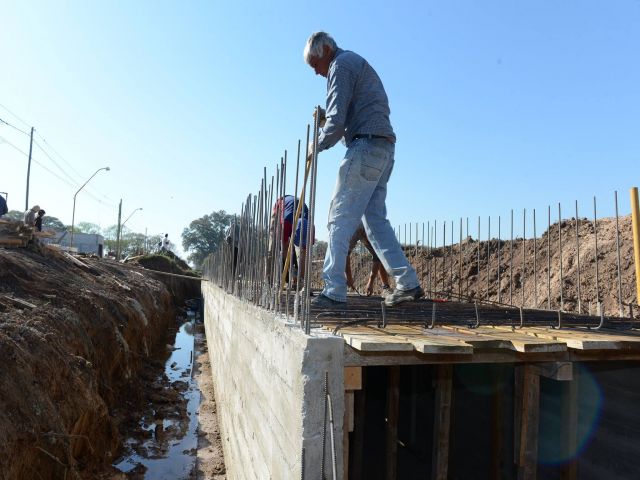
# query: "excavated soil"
{"type": "Point", "coordinates": [81, 347]}
{"type": "Point", "coordinates": [519, 273]}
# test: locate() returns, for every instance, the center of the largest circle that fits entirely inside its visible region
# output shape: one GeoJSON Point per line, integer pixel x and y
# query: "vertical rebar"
{"type": "Point", "coordinates": [444, 256]}
{"type": "Point", "coordinates": [312, 207]}
{"type": "Point", "coordinates": [560, 251]}
{"type": "Point", "coordinates": [460, 263]}
{"type": "Point", "coordinates": [471, 253]}
{"type": "Point", "coordinates": [549, 257]}
{"type": "Point", "coordinates": [451, 262]}
{"type": "Point", "coordinates": [488, 254]}
{"type": "Point", "coordinates": [499, 260]}
{"type": "Point", "coordinates": [524, 251]}
{"type": "Point", "coordinates": [535, 262]}
{"type": "Point", "coordinates": [478, 277]}
{"type": "Point", "coordinates": [578, 258]}
{"type": "Point", "coordinates": [618, 256]}
{"type": "Point", "coordinates": [595, 231]}
{"type": "Point", "coordinates": [511, 263]}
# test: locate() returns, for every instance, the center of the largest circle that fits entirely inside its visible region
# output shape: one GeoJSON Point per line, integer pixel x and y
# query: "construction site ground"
{"type": "Point", "coordinates": [82, 346]}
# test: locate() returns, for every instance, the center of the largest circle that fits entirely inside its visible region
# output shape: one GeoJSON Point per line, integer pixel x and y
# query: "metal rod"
{"type": "Point", "coordinates": [478, 278]}
{"type": "Point", "coordinates": [578, 258]}
{"type": "Point", "coordinates": [618, 257]}
{"type": "Point", "coordinates": [499, 260]}
{"type": "Point", "coordinates": [549, 257]}
{"type": "Point", "coordinates": [524, 251]}
{"type": "Point", "coordinates": [560, 250]}
{"type": "Point", "coordinates": [488, 253]}
{"type": "Point", "coordinates": [511, 263]}
{"type": "Point", "coordinates": [535, 262]}
{"type": "Point", "coordinates": [595, 231]}
{"type": "Point", "coordinates": [460, 262]}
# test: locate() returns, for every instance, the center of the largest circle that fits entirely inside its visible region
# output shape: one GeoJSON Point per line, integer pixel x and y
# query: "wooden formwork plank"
{"type": "Point", "coordinates": [368, 339]}
{"type": "Point", "coordinates": [426, 343]}
{"type": "Point", "coordinates": [585, 339]}
{"type": "Point", "coordinates": [520, 342]}
{"type": "Point", "coordinates": [570, 396]}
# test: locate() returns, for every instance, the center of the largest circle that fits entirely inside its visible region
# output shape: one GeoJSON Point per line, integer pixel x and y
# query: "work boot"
{"type": "Point", "coordinates": [322, 301]}
{"type": "Point", "coordinates": [399, 296]}
{"type": "Point", "coordinates": [386, 291]}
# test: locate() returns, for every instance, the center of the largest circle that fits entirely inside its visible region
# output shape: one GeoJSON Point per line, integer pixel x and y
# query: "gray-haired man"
{"type": "Point", "coordinates": [357, 110]}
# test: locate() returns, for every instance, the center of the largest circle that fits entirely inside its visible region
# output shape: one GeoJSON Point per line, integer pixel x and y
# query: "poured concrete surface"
{"type": "Point", "coordinates": [269, 381]}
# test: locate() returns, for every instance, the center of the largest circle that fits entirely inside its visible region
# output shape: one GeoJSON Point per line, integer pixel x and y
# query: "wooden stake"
{"type": "Point", "coordinates": [393, 404]}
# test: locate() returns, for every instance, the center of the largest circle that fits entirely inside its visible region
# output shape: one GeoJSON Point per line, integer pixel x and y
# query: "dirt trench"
{"type": "Point", "coordinates": [75, 342]}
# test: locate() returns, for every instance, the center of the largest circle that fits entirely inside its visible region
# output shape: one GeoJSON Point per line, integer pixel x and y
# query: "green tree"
{"type": "Point", "coordinates": [52, 223]}
{"type": "Point", "coordinates": [88, 227]}
{"type": "Point", "coordinates": [204, 234]}
{"type": "Point", "coordinates": [15, 215]}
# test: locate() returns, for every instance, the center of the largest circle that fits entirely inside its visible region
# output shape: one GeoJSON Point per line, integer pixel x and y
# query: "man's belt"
{"type": "Point", "coordinates": [368, 136]}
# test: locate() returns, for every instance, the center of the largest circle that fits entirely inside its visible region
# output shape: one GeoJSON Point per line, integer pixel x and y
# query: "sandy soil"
{"type": "Point", "coordinates": [210, 459]}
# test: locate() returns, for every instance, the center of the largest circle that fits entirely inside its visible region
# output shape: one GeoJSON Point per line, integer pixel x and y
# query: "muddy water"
{"type": "Point", "coordinates": [168, 444]}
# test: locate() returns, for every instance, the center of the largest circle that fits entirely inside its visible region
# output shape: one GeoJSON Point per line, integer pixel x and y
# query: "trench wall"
{"type": "Point", "coordinates": [269, 388]}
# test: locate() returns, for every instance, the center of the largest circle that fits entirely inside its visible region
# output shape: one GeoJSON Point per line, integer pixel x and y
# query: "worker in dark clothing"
{"type": "Point", "coordinates": [3, 206]}
{"type": "Point", "coordinates": [38, 221]}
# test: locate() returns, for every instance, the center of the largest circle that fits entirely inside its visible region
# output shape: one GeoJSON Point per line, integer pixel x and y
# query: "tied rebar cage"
{"type": "Point", "coordinates": [276, 267]}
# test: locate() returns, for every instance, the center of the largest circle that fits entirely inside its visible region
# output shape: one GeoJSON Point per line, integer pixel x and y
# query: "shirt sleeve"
{"type": "Point", "coordinates": [340, 86]}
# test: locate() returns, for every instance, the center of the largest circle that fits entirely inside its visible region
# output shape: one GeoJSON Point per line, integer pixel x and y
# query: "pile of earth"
{"type": "Point", "coordinates": [75, 337]}
{"type": "Point", "coordinates": [522, 273]}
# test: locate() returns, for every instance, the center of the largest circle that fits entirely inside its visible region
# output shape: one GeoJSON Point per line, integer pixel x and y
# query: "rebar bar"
{"type": "Point", "coordinates": [478, 277]}
{"type": "Point", "coordinates": [511, 263]}
{"type": "Point", "coordinates": [524, 252]}
{"type": "Point", "coordinates": [618, 256]}
{"type": "Point", "coordinates": [595, 232]}
{"type": "Point", "coordinates": [535, 262]}
{"type": "Point", "coordinates": [560, 251]}
{"type": "Point", "coordinates": [499, 260]}
{"type": "Point", "coordinates": [578, 259]}
{"type": "Point", "coordinates": [488, 254]}
{"type": "Point", "coordinates": [549, 257]}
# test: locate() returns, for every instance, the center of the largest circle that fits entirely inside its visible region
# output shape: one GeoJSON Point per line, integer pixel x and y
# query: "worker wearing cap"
{"type": "Point", "coordinates": [357, 111]}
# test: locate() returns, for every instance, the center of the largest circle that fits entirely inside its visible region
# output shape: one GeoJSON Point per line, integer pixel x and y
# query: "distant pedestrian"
{"type": "Point", "coordinates": [165, 242]}
{"type": "Point", "coordinates": [3, 206]}
{"type": "Point", "coordinates": [30, 216]}
{"type": "Point", "coordinates": [38, 221]}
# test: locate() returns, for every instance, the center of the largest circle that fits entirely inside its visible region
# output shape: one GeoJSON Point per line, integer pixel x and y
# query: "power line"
{"type": "Point", "coordinates": [13, 126]}
{"type": "Point", "coordinates": [56, 163]}
{"type": "Point", "coordinates": [12, 145]}
{"type": "Point", "coordinates": [19, 119]}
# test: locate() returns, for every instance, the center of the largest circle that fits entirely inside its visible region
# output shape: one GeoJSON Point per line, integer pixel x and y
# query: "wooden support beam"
{"type": "Point", "coordinates": [347, 426]}
{"type": "Point", "coordinates": [560, 371]}
{"type": "Point", "coordinates": [352, 378]}
{"type": "Point", "coordinates": [357, 444]}
{"type": "Point", "coordinates": [442, 421]}
{"type": "Point", "coordinates": [569, 471]}
{"type": "Point", "coordinates": [529, 418]}
{"type": "Point", "coordinates": [393, 406]}
{"type": "Point", "coordinates": [497, 431]}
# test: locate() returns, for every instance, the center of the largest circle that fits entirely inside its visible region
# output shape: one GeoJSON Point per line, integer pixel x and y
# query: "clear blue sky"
{"type": "Point", "coordinates": [496, 104]}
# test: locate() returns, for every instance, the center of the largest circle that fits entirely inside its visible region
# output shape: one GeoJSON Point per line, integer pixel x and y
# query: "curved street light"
{"type": "Point", "coordinates": [120, 227]}
{"type": "Point", "coordinates": [73, 215]}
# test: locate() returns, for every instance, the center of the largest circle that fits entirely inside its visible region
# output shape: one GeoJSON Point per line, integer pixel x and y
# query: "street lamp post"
{"type": "Point", "coordinates": [73, 215]}
{"type": "Point", "coordinates": [120, 231]}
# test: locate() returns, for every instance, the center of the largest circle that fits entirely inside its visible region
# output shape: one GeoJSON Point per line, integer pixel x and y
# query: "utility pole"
{"type": "Point", "coordinates": [26, 202]}
{"type": "Point", "coordinates": [118, 234]}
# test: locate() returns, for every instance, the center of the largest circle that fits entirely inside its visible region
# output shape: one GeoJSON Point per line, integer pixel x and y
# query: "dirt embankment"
{"type": "Point", "coordinates": [530, 284]}
{"type": "Point", "coordinates": [73, 338]}
{"type": "Point", "coordinates": [520, 273]}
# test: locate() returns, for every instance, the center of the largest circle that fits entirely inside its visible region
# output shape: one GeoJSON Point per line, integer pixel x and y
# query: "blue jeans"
{"type": "Point", "coordinates": [360, 193]}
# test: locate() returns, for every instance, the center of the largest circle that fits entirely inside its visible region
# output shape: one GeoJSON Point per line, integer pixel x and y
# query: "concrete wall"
{"type": "Point", "coordinates": [269, 388]}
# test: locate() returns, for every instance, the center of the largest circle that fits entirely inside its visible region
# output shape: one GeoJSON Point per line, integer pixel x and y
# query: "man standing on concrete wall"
{"type": "Point", "coordinates": [357, 110]}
